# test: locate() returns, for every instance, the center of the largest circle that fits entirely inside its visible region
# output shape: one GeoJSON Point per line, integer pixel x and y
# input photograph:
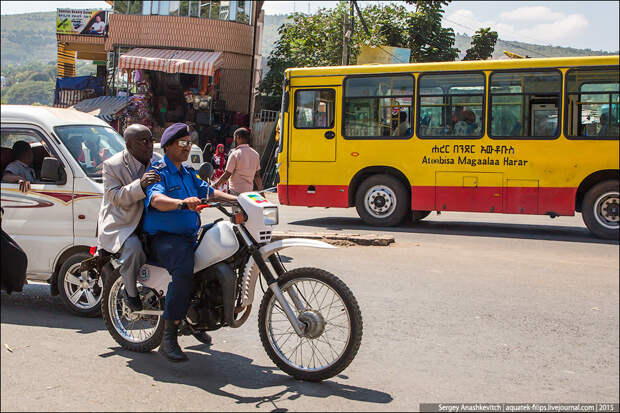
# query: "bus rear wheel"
{"type": "Point", "coordinates": [382, 200]}
{"type": "Point", "coordinates": [601, 209]}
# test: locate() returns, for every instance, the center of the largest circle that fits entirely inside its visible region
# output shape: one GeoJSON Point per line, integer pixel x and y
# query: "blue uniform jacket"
{"type": "Point", "coordinates": [178, 184]}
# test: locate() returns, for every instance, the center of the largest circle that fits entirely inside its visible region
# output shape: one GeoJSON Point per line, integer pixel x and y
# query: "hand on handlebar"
{"type": "Point", "coordinates": [192, 202]}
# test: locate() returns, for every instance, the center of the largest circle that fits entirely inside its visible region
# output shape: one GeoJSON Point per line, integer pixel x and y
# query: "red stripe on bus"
{"type": "Point", "coordinates": [315, 195]}
{"type": "Point", "coordinates": [510, 200]}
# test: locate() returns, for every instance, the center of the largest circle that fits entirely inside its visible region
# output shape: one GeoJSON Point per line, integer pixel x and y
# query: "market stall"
{"type": "Point", "coordinates": [167, 86]}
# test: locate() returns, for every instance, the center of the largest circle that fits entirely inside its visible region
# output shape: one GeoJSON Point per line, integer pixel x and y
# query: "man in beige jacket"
{"type": "Point", "coordinates": [124, 184]}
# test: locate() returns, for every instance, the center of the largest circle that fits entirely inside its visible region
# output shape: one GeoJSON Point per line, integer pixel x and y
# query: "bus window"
{"type": "Point", "coordinates": [378, 106]}
{"type": "Point", "coordinates": [525, 104]}
{"type": "Point", "coordinates": [314, 109]}
{"type": "Point", "coordinates": [592, 103]}
{"type": "Point", "coordinates": [451, 105]}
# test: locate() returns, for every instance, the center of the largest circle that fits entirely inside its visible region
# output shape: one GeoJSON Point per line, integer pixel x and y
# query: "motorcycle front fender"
{"type": "Point", "coordinates": [251, 271]}
{"type": "Point", "coordinates": [273, 247]}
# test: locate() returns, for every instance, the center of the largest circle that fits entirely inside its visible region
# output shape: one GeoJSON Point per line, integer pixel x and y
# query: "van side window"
{"type": "Point", "coordinates": [38, 148]}
{"type": "Point", "coordinates": [593, 104]}
{"type": "Point", "coordinates": [525, 104]}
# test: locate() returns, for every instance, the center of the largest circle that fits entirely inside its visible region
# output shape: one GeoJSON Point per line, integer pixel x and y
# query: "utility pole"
{"type": "Point", "coordinates": [346, 34]}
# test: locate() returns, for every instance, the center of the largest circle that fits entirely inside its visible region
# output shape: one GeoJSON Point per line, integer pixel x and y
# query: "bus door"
{"type": "Point", "coordinates": [314, 124]}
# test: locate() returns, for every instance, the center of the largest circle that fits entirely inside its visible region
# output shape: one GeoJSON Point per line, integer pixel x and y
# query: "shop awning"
{"type": "Point", "coordinates": [171, 61]}
{"type": "Point", "coordinates": [104, 107]}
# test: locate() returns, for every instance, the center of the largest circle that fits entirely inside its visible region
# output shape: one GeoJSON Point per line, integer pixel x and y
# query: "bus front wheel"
{"type": "Point", "coordinates": [382, 200]}
{"type": "Point", "coordinates": [601, 209]}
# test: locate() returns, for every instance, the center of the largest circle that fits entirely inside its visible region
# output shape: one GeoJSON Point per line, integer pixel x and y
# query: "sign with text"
{"type": "Point", "coordinates": [81, 21]}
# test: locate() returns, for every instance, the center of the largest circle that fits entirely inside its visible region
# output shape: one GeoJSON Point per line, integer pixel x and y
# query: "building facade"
{"type": "Point", "coordinates": [232, 28]}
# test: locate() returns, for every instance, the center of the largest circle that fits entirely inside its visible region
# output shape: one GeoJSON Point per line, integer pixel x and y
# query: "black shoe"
{"type": "Point", "coordinates": [203, 337]}
{"type": "Point", "coordinates": [133, 303]}
{"type": "Point", "coordinates": [169, 346]}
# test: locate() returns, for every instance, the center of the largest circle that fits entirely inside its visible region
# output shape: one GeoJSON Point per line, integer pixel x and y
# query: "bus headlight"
{"type": "Point", "coordinates": [270, 216]}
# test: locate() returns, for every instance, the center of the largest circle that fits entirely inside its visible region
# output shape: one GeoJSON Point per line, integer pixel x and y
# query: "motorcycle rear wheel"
{"type": "Point", "coordinates": [120, 322]}
{"type": "Point", "coordinates": [334, 321]}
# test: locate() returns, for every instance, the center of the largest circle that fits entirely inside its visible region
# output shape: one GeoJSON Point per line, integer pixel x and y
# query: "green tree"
{"type": "Point", "coordinates": [482, 45]}
{"type": "Point", "coordinates": [30, 92]}
{"type": "Point", "coordinates": [317, 40]}
{"type": "Point", "coordinates": [427, 39]}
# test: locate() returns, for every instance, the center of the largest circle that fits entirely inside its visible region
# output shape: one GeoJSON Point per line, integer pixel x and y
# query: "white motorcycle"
{"type": "Point", "coordinates": [309, 321]}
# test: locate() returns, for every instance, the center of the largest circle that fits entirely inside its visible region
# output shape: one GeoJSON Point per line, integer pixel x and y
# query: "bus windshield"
{"type": "Point", "coordinates": [90, 145]}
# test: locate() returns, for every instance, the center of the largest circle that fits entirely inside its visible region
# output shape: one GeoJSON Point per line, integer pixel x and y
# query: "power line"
{"type": "Point", "coordinates": [505, 41]}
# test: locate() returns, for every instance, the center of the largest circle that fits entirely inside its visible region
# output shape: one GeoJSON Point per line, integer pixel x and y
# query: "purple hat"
{"type": "Point", "coordinates": [174, 132]}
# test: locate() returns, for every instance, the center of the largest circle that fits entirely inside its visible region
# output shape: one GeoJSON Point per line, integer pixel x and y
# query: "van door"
{"type": "Point", "coordinates": [40, 220]}
{"type": "Point", "coordinates": [314, 124]}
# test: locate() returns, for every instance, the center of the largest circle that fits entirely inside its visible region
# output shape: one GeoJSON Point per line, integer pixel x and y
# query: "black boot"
{"type": "Point", "coordinates": [169, 346]}
{"type": "Point", "coordinates": [134, 303]}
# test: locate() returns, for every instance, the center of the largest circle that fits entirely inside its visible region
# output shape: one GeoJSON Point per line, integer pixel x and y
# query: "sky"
{"type": "Point", "coordinates": [580, 24]}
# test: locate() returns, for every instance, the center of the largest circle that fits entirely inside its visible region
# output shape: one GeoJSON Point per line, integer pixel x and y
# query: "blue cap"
{"type": "Point", "coordinates": [174, 132]}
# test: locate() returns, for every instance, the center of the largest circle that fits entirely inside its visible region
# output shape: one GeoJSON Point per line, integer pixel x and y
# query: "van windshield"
{"type": "Point", "coordinates": [90, 145]}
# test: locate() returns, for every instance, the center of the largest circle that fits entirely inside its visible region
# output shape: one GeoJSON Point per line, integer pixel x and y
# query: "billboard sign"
{"type": "Point", "coordinates": [383, 54]}
{"type": "Point", "coordinates": [81, 21]}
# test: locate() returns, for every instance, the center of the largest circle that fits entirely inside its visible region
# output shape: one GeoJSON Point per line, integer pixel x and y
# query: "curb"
{"type": "Point", "coordinates": [338, 239]}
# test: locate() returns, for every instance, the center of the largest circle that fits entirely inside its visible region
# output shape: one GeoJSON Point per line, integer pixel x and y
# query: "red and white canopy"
{"type": "Point", "coordinates": [172, 61]}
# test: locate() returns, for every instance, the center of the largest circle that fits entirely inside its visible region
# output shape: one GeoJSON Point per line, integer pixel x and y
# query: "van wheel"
{"type": "Point", "coordinates": [81, 292]}
{"type": "Point", "coordinates": [601, 209]}
{"type": "Point", "coordinates": [381, 200]}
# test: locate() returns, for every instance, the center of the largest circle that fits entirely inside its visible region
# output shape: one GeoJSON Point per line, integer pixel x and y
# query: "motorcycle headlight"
{"type": "Point", "coordinates": [270, 216]}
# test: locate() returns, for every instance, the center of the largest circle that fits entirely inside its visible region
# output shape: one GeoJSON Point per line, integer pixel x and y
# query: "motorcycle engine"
{"type": "Point", "coordinates": [205, 309]}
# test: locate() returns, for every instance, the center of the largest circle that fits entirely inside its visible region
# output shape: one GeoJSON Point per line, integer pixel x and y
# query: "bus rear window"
{"type": "Point", "coordinates": [592, 103]}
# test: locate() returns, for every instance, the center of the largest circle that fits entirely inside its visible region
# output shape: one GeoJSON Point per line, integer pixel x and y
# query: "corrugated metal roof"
{"type": "Point", "coordinates": [104, 107]}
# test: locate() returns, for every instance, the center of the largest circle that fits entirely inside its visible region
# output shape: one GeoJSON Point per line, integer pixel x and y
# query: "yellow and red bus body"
{"type": "Point", "coordinates": [532, 173]}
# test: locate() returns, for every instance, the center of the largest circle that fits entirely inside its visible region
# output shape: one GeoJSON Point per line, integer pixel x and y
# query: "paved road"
{"type": "Point", "coordinates": [461, 308]}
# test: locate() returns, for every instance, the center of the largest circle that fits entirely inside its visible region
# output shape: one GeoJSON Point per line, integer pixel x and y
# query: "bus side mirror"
{"type": "Point", "coordinates": [52, 171]}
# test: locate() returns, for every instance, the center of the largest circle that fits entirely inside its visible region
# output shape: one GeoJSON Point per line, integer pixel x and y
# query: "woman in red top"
{"type": "Point", "coordinates": [219, 165]}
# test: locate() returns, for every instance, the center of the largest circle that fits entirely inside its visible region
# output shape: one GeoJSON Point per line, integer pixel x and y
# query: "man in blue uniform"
{"type": "Point", "coordinates": [171, 222]}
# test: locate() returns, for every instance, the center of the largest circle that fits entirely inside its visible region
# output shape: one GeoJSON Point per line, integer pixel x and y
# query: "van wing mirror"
{"type": "Point", "coordinates": [52, 171]}
{"type": "Point", "coordinates": [206, 171]}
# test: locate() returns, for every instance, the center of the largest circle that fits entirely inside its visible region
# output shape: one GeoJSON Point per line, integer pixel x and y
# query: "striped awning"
{"type": "Point", "coordinates": [171, 61]}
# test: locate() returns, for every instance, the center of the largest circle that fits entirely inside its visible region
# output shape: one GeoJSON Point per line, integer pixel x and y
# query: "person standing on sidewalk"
{"type": "Point", "coordinates": [243, 167]}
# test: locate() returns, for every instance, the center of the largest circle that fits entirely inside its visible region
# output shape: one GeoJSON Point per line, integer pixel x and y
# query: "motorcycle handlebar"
{"type": "Point", "coordinates": [221, 206]}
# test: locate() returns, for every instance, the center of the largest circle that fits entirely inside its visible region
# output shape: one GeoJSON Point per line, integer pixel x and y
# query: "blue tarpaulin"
{"type": "Point", "coordinates": [79, 83]}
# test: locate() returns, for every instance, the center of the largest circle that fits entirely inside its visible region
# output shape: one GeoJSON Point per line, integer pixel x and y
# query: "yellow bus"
{"type": "Point", "coordinates": [527, 136]}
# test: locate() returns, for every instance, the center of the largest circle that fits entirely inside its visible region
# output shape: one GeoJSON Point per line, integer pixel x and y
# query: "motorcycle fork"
{"type": "Point", "coordinates": [272, 283]}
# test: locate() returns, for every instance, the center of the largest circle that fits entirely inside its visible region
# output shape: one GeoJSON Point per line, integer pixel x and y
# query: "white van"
{"type": "Point", "coordinates": [55, 222]}
{"type": "Point", "coordinates": [195, 155]}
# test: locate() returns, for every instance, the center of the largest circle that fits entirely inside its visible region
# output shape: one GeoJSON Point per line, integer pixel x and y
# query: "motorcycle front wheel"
{"type": "Point", "coordinates": [140, 333]}
{"type": "Point", "coordinates": [332, 319]}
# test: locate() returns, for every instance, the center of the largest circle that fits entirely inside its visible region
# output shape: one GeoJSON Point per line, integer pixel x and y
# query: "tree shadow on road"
{"type": "Point", "coordinates": [34, 306]}
{"type": "Point", "coordinates": [213, 370]}
{"type": "Point", "coordinates": [468, 228]}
